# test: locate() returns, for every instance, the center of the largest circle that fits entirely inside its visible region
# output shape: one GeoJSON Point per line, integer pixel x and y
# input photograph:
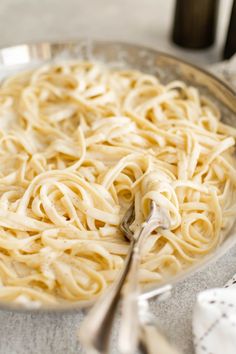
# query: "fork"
{"type": "Point", "coordinates": [138, 323]}
{"type": "Point", "coordinates": [96, 329]}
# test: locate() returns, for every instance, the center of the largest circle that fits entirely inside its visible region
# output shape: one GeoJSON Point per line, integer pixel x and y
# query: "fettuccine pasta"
{"type": "Point", "coordinates": [79, 142]}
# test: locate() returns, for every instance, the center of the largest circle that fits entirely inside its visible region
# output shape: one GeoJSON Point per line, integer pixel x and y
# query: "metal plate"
{"type": "Point", "coordinates": [124, 55]}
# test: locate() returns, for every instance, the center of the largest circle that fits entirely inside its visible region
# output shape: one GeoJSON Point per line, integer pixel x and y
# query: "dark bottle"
{"type": "Point", "coordinates": [230, 45]}
{"type": "Point", "coordinates": [195, 23]}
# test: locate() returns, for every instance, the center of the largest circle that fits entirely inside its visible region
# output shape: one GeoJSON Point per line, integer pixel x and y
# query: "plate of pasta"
{"type": "Point", "coordinates": [88, 128]}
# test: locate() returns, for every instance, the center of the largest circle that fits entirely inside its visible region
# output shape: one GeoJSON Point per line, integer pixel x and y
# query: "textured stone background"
{"type": "Point", "coordinates": [140, 21]}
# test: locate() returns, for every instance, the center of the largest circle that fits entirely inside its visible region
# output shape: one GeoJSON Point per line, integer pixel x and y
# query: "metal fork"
{"type": "Point", "coordinates": [96, 328]}
{"type": "Point", "coordinates": [138, 324]}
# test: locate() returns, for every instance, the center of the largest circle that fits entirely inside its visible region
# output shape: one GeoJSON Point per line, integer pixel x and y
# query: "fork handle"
{"type": "Point", "coordinates": [129, 327]}
{"type": "Point", "coordinates": [96, 328]}
{"type": "Point", "coordinates": [154, 342]}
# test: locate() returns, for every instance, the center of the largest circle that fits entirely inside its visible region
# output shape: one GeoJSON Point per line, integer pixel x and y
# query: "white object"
{"type": "Point", "coordinates": [214, 320]}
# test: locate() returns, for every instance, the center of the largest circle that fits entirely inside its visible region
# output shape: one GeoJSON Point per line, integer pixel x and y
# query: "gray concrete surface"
{"type": "Point", "coordinates": [140, 21]}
